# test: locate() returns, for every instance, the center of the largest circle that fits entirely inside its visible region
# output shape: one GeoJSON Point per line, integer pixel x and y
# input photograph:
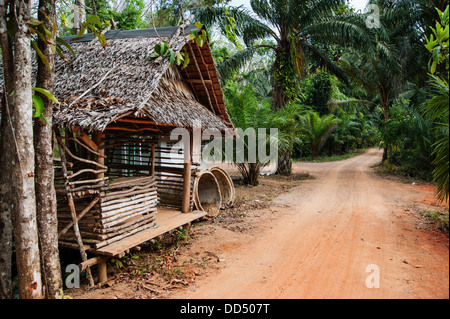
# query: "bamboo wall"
{"type": "Point", "coordinates": [118, 195]}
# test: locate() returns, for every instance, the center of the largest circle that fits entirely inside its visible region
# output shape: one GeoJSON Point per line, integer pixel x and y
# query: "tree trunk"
{"type": "Point", "coordinates": [314, 153]}
{"type": "Point", "coordinates": [279, 95]}
{"type": "Point", "coordinates": [45, 190]}
{"type": "Point", "coordinates": [250, 173]}
{"type": "Point", "coordinates": [284, 162]}
{"type": "Point", "coordinates": [79, 15]}
{"type": "Point", "coordinates": [6, 229]}
{"type": "Point", "coordinates": [24, 213]}
{"type": "Point", "coordinates": [385, 102]}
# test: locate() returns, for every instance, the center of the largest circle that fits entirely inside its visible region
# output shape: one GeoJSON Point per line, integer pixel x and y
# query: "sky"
{"type": "Point", "coordinates": [358, 4]}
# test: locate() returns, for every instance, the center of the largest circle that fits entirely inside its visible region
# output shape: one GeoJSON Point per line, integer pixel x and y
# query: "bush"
{"type": "Point", "coordinates": [409, 139]}
{"type": "Point", "coordinates": [317, 91]}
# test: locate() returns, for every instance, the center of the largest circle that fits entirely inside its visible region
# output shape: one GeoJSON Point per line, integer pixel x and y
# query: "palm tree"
{"type": "Point", "coordinates": [247, 112]}
{"type": "Point", "coordinates": [317, 129]}
{"type": "Point", "coordinates": [287, 122]}
{"type": "Point", "coordinates": [290, 24]}
{"type": "Point", "coordinates": [381, 67]}
{"type": "Point", "coordinates": [393, 54]}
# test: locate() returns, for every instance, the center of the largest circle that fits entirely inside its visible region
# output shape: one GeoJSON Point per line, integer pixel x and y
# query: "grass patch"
{"type": "Point", "coordinates": [333, 158]}
{"type": "Point", "coordinates": [387, 170]}
{"type": "Point", "coordinates": [439, 218]}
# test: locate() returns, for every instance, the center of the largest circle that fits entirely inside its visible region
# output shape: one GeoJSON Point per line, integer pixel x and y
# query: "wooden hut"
{"type": "Point", "coordinates": [116, 184]}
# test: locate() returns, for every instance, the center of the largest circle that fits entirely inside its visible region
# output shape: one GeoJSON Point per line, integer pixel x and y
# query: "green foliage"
{"type": "Point", "coordinates": [317, 129]}
{"type": "Point", "coordinates": [181, 58]}
{"type": "Point", "coordinates": [440, 218]}
{"type": "Point", "coordinates": [293, 20]}
{"type": "Point", "coordinates": [409, 138]}
{"type": "Point", "coordinates": [130, 17]}
{"type": "Point", "coordinates": [180, 235]}
{"type": "Point", "coordinates": [437, 108]}
{"type": "Point", "coordinates": [169, 12]}
{"type": "Point", "coordinates": [246, 111]}
{"type": "Point", "coordinates": [220, 53]}
{"type": "Point", "coordinates": [358, 127]}
{"type": "Point", "coordinates": [355, 131]}
{"type": "Point", "coordinates": [318, 90]}
{"type": "Point", "coordinates": [128, 259]}
{"type": "Point", "coordinates": [38, 102]}
{"type": "Point", "coordinates": [286, 77]}
{"type": "Point", "coordinates": [438, 43]}
{"type": "Point", "coordinates": [230, 29]}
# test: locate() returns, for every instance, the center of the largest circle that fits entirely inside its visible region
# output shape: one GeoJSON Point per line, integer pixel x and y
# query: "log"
{"type": "Point", "coordinates": [72, 245]}
{"type": "Point", "coordinates": [132, 181]}
{"type": "Point", "coordinates": [88, 263]}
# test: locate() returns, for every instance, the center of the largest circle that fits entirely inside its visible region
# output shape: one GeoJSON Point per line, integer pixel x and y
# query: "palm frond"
{"type": "Point", "coordinates": [318, 11]}
{"type": "Point", "coordinates": [235, 62]}
{"type": "Point", "coordinates": [437, 106]}
{"type": "Point", "coordinates": [343, 30]}
{"type": "Point", "coordinates": [324, 60]}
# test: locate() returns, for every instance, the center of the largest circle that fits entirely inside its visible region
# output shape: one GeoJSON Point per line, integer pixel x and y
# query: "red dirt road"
{"type": "Point", "coordinates": [326, 236]}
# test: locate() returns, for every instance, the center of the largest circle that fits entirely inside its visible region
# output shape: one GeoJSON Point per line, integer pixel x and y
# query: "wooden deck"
{"type": "Point", "coordinates": [166, 220]}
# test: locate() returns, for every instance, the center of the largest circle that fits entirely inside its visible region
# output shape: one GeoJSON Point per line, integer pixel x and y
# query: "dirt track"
{"type": "Point", "coordinates": [326, 236]}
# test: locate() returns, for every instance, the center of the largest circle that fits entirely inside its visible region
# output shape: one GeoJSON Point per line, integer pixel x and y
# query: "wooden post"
{"type": "Point", "coordinates": [102, 269]}
{"type": "Point", "coordinates": [186, 200]}
{"type": "Point", "coordinates": [153, 159]}
{"type": "Point", "coordinates": [102, 261]}
{"type": "Point", "coordinates": [98, 139]}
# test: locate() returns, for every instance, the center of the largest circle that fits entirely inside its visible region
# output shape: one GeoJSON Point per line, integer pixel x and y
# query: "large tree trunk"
{"type": "Point", "coordinates": [45, 190]}
{"type": "Point", "coordinates": [279, 95]}
{"type": "Point", "coordinates": [6, 229]}
{"type": "Point", "coordinates": [24, 213]}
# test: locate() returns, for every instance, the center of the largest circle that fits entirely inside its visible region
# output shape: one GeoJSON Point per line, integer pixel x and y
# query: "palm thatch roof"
{"type": "Point", "coordinates": [98, 86]}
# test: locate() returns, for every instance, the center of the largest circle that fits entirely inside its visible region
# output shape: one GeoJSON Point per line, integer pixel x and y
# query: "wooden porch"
{"type": "Point", "coordinates": [166, 220]}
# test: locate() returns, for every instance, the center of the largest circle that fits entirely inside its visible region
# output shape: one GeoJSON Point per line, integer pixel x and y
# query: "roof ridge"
{"type": "Point", "coordinates": [164, 32]}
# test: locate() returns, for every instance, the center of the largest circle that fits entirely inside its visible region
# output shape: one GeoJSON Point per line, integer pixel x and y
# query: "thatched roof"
{"type": "Point", "coordinates": [99, 86]}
